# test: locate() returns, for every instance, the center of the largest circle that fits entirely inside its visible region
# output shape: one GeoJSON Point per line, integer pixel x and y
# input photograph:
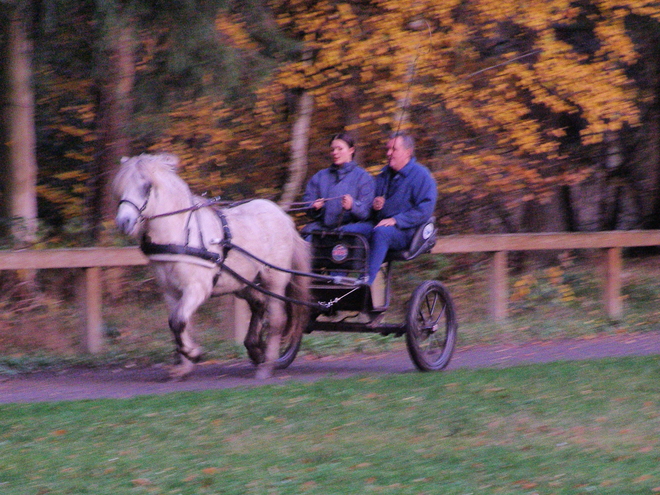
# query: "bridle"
{"type": "Point", "coordinates": [139, 209]}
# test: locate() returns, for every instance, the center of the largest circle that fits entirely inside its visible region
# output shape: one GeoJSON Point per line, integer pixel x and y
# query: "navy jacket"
{"type": "Point", "coordinates": [410, 194]}
{"type": "Point", "coordinates": [334, 182]}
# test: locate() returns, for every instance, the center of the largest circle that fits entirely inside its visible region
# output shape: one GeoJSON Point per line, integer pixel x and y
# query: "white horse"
{"type": "Point", "coordinates": [198, 250]}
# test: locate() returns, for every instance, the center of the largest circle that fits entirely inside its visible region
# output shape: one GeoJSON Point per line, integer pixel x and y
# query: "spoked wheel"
{"type": "Point", "coordinates": [289, 347]}
{"type": "Point", "coordinates": [288, 351]}
{"type": "Point", "coordinates": [431, 326]}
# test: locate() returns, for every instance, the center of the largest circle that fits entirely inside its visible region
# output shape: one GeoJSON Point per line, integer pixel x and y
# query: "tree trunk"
{"type": "Point", "coordinates": [299, 142]}
{"type": "Point", "coordinates": [19, 175]}
{"type": "Point", "coordinates": [567, 209]}
{"type": "Point", "coordinates": [346, 99]}
{"type": "Point", "coordinates": [653, 221]}
{"type": "Point", "coordinates": [114, 116]}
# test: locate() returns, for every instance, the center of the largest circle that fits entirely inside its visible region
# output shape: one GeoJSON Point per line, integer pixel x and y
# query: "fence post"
{"type": "Point", "coordinates": [499, 291]}
{"type": "Point", "coordinates": [91, 302]}
{"type": "Point", "coordinates": [612, 292]}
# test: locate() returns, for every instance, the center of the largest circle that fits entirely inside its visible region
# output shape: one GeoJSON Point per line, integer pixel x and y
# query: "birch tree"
{"type": "Point", "coordinates": [19, 166]}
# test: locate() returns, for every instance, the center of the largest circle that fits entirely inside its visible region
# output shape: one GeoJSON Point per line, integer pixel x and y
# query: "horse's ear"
{"type": "Point", "coordinates": [170, 160]}
{"type": "Point", "coordinates": [124, 159]}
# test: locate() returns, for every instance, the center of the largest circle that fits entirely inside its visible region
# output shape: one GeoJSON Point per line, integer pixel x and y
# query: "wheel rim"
{"type": "Point", "coordinates": [430, 326]}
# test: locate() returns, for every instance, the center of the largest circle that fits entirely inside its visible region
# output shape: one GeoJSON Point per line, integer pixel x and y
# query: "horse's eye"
{"type": "Point", "coordinates": [146, 189]}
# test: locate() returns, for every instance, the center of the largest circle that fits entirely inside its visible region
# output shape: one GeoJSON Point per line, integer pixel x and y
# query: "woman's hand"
{"type": "Point", "coordinates": [347, 202]}
{"type": "Point", "coordinates": [318, 204]}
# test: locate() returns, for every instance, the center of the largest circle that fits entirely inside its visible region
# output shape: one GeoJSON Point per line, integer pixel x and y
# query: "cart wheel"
{"type": "Point", "coordinates": [431, 326]}
{"type": "Point", "coordinates": [288, 351]}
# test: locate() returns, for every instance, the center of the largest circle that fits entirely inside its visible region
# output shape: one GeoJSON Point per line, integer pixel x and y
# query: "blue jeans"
{"type": "Point", "coordinates": [381, 240]}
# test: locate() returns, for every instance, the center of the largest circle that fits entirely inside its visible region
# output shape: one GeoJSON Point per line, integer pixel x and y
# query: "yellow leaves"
{"type": "Point", "coordinates": [234, 29]}
{"type": "Point", "coordinates": [615, 40]}
{"type": "Point", "coordinates": [73, 131]}
{"type": "Point", "coordinates": [78, 156]}
{"type": "Point", "coordinates": [72, 175]}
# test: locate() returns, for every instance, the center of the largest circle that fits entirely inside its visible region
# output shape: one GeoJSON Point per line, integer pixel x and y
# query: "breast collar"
{"type": "Point", "coordinates": [151, 248]}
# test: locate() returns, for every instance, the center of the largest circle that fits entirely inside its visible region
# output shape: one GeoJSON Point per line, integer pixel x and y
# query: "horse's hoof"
{"type": "Point", "coordinates": [264, 372]}
{"type": "Point", "coordinates": [195, 355]}
{"type": "Point", "coordinates": [180, 371]}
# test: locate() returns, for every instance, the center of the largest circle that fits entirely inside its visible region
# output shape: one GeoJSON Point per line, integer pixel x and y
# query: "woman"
{"type": "Point", "coordinates": [342, 193]}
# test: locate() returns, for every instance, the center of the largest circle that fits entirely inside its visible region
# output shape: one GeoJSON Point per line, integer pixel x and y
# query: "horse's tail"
{"type": "Point", "coordinates": [298, 289]}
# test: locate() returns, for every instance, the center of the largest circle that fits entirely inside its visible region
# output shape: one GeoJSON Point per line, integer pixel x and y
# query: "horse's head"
{"type": "Point", "coordinates": [134, 186]}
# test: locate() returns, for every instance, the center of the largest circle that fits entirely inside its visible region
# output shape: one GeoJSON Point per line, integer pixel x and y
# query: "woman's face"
{"type": "Point", "coordinates": [341, 152]}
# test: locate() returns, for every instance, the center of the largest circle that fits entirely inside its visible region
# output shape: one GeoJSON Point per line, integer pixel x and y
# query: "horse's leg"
{"type": "Point", "coordinates": [180, 322]}
{"type": "Point", "coordinates": [252, 341]}
{"type": "Point", "coordinates": [276, 311]}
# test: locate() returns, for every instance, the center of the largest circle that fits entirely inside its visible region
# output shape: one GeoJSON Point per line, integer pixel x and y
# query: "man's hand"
{"type": "Point", "coordinates": [379, 202]}
{"type": "Point", "coordinates": [347, 202]}
{"type": "Point", "coordinates": [318, 204]}
{"type": "Point", "coordinates": [386, 222]}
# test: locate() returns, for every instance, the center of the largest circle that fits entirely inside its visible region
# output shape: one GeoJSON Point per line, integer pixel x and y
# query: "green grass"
{"type": "Point", "coordinates": [561, 428]}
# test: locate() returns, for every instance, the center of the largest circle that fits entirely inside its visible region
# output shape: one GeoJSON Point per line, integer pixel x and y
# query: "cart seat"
{"type": "Point", "coordinates": [422, 242]}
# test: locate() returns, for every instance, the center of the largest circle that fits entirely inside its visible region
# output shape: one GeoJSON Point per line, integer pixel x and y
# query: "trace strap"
{"type": "Point", "coordinates": [150, 248]}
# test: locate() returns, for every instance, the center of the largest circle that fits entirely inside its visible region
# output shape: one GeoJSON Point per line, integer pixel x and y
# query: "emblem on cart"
{"type": "Point", "coordinates": [428, 230]}
{"type": "Point", "coordinates": [339, 253]}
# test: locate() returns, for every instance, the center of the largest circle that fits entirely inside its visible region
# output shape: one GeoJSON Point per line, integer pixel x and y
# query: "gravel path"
{"type": "Point", "coordinates": [79, 384]}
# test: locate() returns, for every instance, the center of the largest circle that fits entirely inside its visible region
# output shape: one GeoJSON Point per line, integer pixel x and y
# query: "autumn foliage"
{"type": "Point", "coordinates": [509, 100]}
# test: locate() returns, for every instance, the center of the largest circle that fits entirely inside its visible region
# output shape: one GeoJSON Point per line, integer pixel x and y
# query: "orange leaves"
{"type": "Point", "coordinates": [455, 72]}
{"type": "Point", "coordinates": [234, 28]}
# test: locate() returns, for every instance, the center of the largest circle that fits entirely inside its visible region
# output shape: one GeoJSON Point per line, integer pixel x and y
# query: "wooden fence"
{"type": "Point", "coordinates": [91, 260]}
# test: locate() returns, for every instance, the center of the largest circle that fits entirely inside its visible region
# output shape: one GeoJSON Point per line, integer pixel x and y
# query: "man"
{"type": "Point", "coordinates": [406, 194]}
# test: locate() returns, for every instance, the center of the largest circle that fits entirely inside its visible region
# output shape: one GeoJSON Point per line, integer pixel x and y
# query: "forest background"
{"type": "Point", "coordinates": [532, 116]}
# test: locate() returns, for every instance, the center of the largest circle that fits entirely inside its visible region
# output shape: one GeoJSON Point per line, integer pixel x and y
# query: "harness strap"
{"type": "Point", "coordinates": [150, 248]}
{"type": "Point", "coordinates": [226, 233]}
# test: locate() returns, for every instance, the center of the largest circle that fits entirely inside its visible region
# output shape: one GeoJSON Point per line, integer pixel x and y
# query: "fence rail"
{"type": "Point", "coordinates": [92, 260]}
{"type": "Point", "coordinates": [609, 242]}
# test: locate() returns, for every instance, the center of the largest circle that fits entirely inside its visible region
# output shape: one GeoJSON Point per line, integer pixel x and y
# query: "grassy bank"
{"type": "Point", "coordinates": [561, 428]}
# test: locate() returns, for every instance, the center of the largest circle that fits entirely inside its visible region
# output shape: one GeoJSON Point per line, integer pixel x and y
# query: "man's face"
{"type": "Point", "coordinates": [397, 155]}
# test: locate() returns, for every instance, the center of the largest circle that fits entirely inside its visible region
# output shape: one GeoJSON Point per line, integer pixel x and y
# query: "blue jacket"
{"type": "Point", "coordinates": [334, 182]}
{"type": "Point", "coordinates": [410, 194]}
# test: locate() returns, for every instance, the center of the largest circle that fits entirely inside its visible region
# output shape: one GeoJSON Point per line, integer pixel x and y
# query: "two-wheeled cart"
{"type": "Point", "coordinates": [347, 304]}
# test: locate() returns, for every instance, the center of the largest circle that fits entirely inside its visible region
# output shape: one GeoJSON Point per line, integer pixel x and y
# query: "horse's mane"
{"type": "Point", "coordinates": [159, 170]}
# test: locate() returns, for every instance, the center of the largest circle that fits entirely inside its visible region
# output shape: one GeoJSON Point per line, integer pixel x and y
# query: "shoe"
{"type": "Point", "coordinates": [343, 280]}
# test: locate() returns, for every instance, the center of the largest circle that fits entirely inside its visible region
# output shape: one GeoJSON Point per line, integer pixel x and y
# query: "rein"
{"type": "Point", "coordinates": [150, 248]}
